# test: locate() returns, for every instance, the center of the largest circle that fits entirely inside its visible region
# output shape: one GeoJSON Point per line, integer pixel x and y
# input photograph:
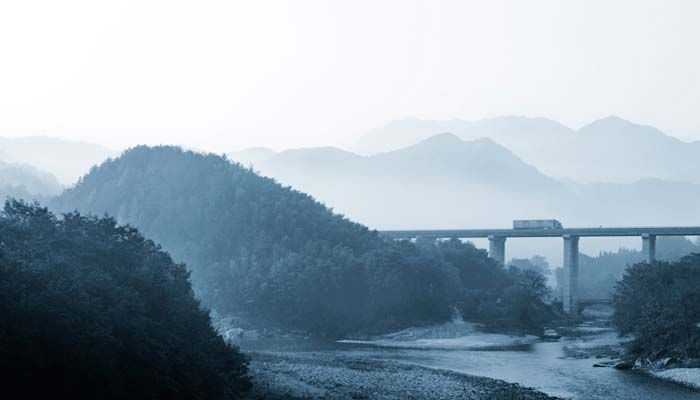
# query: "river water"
{"type": "Point", "coordinates": [563, 368]}
{"type": "Point", "coordinates": [543, 366]}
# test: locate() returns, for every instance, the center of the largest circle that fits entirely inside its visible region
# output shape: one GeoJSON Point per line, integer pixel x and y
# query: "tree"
{"type": "Point", "coordinates": [659, 305]}
{"type": "Point", "coordinates": [90, 309]}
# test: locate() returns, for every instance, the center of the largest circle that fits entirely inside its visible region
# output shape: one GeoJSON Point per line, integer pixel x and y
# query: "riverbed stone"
{"type": "Point", "coordinates": [314, 376]}
{"type": "Point", "coordinates": [604, 364]}
{"type": "Point", "coordinates": [622, 365]}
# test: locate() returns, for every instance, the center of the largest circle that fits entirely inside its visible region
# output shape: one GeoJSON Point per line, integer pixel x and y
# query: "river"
{"type": "Point", "coordinates": [543, 366]}
{"type": "Point", "coordinates": [562, 368]}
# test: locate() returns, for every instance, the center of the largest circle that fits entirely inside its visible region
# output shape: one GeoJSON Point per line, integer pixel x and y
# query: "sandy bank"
{"type": "Point", "coordinates": [319, 375]}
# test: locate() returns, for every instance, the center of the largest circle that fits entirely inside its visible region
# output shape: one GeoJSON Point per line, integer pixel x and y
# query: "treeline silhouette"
{"type": "Point", "coordinates": [270, 253]}
{"type": "Point", "coordinates": [659, 305]}
{"type": "Point", "coordinates": [89, 309]}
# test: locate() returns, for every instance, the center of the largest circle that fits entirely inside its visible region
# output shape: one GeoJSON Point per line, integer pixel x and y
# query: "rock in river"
{"type": "Point", "coordinates": [623, 365]}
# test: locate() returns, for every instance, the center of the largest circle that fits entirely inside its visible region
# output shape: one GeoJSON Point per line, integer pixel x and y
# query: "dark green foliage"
{"type": "Point", "coordinates": [598, 275]}
{"type": "Point", "coordinates": [89, 309]}
{"type": "Point", "coordinates": [518, 304]}
{"type": "Point", "coordinates": [524, 298]}
{"type": "Point", "coordinates": [274, 254]}
{"type": "Point", "coordinates": [659, 305]}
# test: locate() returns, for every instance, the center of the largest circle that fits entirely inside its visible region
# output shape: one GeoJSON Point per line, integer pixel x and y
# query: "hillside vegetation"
{"type": "Point", "coordinates": [270, 253]}
{"type": "Point", "coordinates": [659, 305]}
{"type": "Point", "coordinates": [89, 309]}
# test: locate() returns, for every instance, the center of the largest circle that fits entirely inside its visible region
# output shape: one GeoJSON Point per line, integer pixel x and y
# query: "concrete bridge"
{"type": "Point", "coordinates": [497, 245]}
{"type": "Point", "coordinates": [583, 303]}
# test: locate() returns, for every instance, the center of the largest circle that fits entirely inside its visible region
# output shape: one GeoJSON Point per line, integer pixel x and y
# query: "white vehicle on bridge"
{"type": "Point", "coordinates": [537, 224]}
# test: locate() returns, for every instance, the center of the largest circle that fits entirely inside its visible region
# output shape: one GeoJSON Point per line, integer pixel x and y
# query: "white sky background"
{"type": "Point", "coordinates": [224, 75]}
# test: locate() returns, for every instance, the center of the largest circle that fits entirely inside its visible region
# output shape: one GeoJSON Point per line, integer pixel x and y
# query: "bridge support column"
{"type": "Point", "coordinates": [497, 249]}
{"type": "Point", "coordinates": [570, 289]}
{"type": "Point", "coordinates": [649, 247]}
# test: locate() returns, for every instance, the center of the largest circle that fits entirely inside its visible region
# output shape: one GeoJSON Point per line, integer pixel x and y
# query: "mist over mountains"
{"type": "Point", "coordinates": [416, 186]}
{"type": "Point", "coordinates": [607, 150]}
{"type": "Point", "coordinates": [26, 182]}
{"type": "Point", "coordinates": [66, 160]}
{"type": "Point", "coordinates": [252, 155]}
{"type": "Point", "coordinates": [444, 181]}
{"type": "Point", "coordinates": [412, 174]}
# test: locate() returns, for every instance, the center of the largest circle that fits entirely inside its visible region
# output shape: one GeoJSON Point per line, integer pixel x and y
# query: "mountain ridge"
{"type": "Point", "coordinates": [609, 149]}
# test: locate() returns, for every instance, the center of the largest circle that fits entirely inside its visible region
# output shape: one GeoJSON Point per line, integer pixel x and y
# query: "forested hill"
{"type": "Point", "coordinates": [206, 208]}
{"type": "Point", "coordinates": [268, 252]}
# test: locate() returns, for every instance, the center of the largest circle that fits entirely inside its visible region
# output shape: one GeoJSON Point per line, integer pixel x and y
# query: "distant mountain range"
{"type": "Point", "coordinates": [504, 130]}
{"type": "Point", "coordinates": [484, 173]}
{"type": "Point", "coordinates": [251, 156]}
{"type": "Point", "coordinates": [454, 183]}
{"type": "Point", "coordinates": [66, 160]}
{"type": "Point", "coordinates": [26, 182]}
{"type": "Point", "coordinates": [608, 150]}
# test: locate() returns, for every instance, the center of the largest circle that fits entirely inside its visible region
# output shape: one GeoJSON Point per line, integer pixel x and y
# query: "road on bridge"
{"type": "Point", "coordinates": [497, 244]}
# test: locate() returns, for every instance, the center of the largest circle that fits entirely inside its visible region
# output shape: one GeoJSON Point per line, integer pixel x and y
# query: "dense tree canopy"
{"type": "Point", "coordinates": [659, 305]}
{"type": "Point", "coordinates": [272, 253]}
{"type": "Point", "coordinates": [89, 309]}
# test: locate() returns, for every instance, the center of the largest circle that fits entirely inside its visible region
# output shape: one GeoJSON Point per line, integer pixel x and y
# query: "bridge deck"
{"type": "Point", "coordinates": [592, 232]}
{"type": "Point", "coordinates": [589, 302]}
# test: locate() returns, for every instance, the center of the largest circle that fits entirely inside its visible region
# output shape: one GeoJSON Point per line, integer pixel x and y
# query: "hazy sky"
{"type": "Point", "coordinates": [223, 75]}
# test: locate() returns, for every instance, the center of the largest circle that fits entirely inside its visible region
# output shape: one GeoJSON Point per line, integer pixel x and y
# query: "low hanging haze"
{"type": "Point", "coordinates": [225, 75]}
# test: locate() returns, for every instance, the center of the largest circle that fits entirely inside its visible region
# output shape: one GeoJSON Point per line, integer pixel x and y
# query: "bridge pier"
{"type": "Point", "coordinates": [497, 249]}
{"type": "Point", "coordinates": [649, 247]}
{"type": "Point", "coordinates": [570, 289]}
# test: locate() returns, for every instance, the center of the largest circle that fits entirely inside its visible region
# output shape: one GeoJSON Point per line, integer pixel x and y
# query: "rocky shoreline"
{"type": "Point", "coordinates": [320, 376]}
{"type": "Point", "coordinates": [658, 364]}
{"type": "Point", "coordinates": [661, 365]}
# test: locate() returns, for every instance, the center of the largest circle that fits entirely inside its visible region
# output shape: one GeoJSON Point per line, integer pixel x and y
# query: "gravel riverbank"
{"type": "Point", "coordinates": [320, 376]}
